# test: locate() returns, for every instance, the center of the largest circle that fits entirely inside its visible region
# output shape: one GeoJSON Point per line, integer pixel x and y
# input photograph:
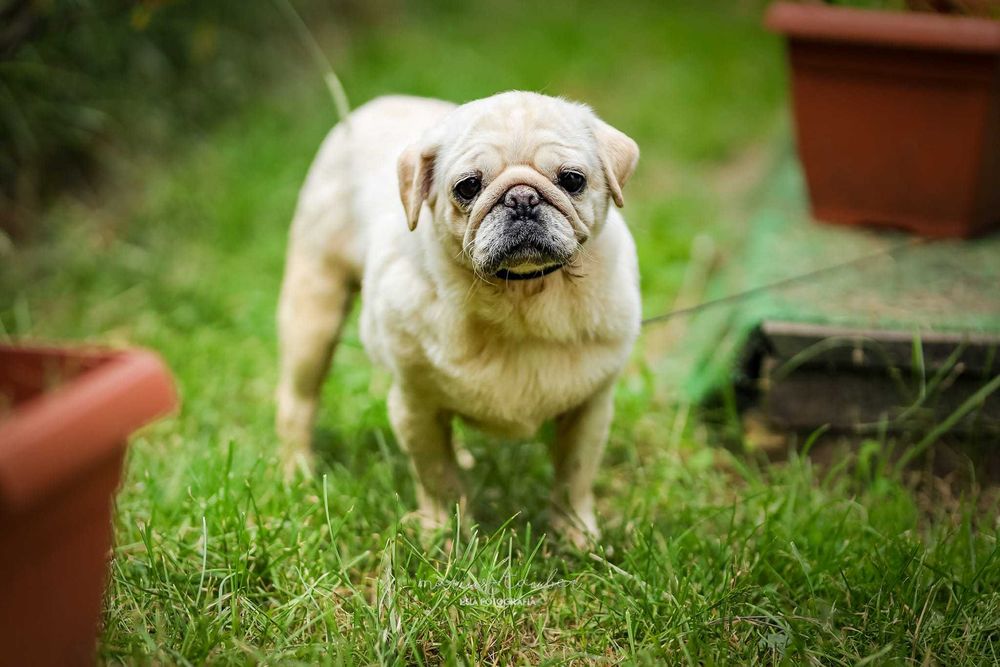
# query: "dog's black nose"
{"type": "Point", "coordinates": [522, 198]}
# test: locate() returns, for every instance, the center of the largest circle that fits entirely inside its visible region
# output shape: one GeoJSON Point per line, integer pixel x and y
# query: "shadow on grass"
{"type": "Point", "coordinates": [359, 452]}
{"type": "Point", "coordinates": [509, 479]}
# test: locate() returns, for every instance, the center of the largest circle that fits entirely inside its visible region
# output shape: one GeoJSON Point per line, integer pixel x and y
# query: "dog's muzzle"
{"type": "Point", "coordinates": [527, 247]}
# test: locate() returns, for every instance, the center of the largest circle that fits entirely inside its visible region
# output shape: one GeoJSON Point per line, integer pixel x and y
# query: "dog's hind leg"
{"type": "Point", "coordinates": [322, 274]}
{"type": "Point", "coordinates": [315, 298]}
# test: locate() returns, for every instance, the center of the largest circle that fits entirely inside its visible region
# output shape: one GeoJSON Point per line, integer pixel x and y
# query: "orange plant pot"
{"type": "Point", "coordinates": [65, 416]}
{"type": "Point", "coordinates": [897, 116]}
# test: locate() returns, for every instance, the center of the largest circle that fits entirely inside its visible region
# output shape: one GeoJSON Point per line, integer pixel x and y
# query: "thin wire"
{"type": "Point", "coordinates": [784, 282]}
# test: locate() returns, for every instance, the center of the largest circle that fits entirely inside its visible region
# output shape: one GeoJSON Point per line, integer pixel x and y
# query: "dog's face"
{"type": "Point", "coordinates": [516, 182]}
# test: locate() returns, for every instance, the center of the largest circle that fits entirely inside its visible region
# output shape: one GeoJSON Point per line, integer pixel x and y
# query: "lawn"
{"type": "Point", "coordinates": [711, 555]}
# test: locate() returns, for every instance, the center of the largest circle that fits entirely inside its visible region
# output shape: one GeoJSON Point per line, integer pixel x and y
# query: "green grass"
{"type": "Point", "coordinates": [709, 557]}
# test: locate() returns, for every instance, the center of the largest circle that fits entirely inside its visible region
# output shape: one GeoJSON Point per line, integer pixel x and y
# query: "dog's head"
{"type": "Point", "coordinates": [516, 183]}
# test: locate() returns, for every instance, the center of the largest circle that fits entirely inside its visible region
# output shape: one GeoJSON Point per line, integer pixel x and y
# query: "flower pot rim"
{"type": "Point", "coordinates": [919, 30]}
{"type": "Point", "coordinates": [96, 411]}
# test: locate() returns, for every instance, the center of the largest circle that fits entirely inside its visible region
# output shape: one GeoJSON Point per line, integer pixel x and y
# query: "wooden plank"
{"type": "Point", "coordinates": [842, 347]}
{"type": "Point", "coordinates": [864, 402]}
{"type": "Point", "coordinates": [806, 376]}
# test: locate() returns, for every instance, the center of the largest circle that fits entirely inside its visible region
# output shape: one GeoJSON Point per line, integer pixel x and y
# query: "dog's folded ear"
{"type": "Point", "coordinates": [619, 155]}
{"type": "Point", "coordinates": [415, 168]}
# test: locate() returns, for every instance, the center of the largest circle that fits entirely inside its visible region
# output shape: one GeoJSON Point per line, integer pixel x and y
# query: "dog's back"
{"type": "Point", "coordinates": [337, 211]}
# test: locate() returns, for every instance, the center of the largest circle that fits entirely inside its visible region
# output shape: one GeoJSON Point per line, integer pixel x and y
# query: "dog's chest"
{"type": "Point", "coordinates": [512, 387]}
{"type": "Point", "coordinates": [507, 363]}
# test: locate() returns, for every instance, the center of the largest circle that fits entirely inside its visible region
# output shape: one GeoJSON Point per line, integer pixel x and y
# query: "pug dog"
{"type": "Point", "coordinates": [498, 283]}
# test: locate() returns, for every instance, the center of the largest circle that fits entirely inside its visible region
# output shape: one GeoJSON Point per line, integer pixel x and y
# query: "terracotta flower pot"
{"type": "Point", "coordinates": [897, 116]}
{"type": "Point", "coordinates": [64, 420]}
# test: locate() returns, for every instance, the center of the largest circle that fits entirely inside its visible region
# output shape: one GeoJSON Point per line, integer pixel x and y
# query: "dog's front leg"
{"type": "Point", "coordinates": [576, 454]}
{"type": "Point", "coordinates": [424, 433]}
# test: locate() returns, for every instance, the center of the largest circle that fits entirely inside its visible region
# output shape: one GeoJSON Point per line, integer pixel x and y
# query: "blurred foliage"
{"type": "Point", "coordinates": [75, 73]}
{"type": "Point", "coordinates": [81, 78]}
{"type": "Point", "coordinates": [84, 80]}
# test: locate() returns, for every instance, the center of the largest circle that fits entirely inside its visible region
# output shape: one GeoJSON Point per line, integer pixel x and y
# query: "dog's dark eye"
{"type": "Point", "coordinates": [572, 181]}
{"type": "Point", "coordinates": [468, 188]}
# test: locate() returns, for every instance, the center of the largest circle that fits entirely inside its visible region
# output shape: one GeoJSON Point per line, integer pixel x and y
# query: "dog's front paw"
{"type": "Point", "coordinates": [437, 521]}
{"type": "Point", "coordinates": [297, 463]}
{"type": "Point", "coordinates": [432, 530]}
{"type": "Point", "coordinates": [294, 428]}
{"type": "Point", "coordinates": [578, 529]}
{"type": "Point", "coordinates": [427, 522]}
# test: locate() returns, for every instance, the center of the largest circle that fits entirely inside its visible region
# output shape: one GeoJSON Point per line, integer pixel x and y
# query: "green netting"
{"type": "Point", "coordinates": [938, 286]}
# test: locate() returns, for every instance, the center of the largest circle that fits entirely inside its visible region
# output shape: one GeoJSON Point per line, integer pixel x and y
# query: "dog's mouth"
{"type": "Point", "coordinates": [533, 257]}
{"type": "Point", "coordinates": [506, 274]}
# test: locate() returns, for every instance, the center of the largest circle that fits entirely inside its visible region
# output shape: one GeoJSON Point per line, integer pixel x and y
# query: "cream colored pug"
{"type": "Point", "coordinates": [503, 291]}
